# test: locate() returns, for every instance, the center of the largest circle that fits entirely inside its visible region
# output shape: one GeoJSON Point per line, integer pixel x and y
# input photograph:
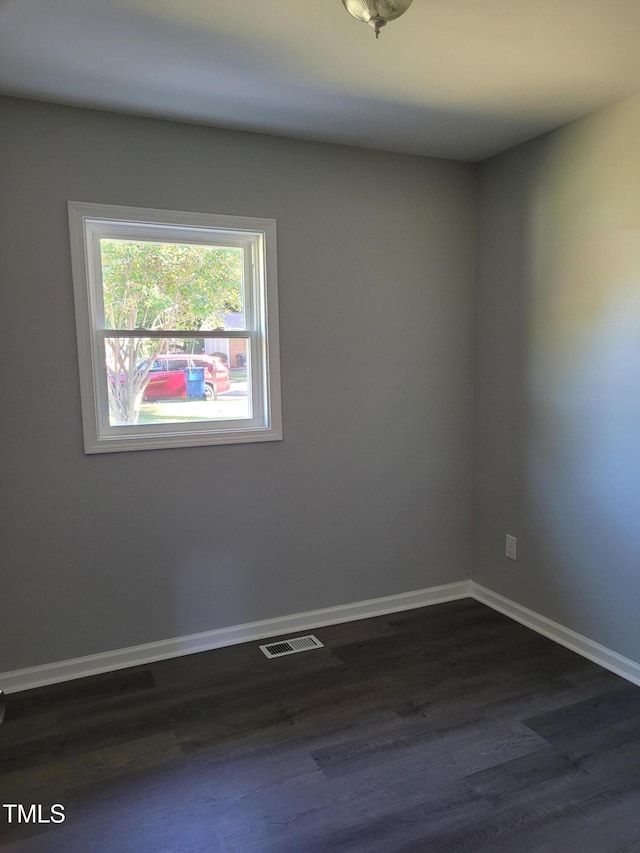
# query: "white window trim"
{"type": "Point", "coordinates": [87, 223]}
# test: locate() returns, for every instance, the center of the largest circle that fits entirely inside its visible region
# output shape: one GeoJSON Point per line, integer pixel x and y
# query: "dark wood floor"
{"type": "Point", "coordinates": [449, 728]}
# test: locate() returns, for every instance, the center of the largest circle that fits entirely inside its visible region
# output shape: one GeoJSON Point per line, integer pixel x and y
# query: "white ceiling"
{"type": "Point", "coordinates": [452, 78]}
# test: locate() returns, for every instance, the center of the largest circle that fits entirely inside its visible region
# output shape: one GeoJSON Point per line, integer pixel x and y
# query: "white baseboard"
{"type": "Point", "coordinates": [601, 655]}
{"type": "Point", "coordinates": [52, 673]}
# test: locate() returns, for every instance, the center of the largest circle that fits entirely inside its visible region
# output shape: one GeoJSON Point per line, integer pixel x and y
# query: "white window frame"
{"type": "Point", "coordinates": [88, 223]}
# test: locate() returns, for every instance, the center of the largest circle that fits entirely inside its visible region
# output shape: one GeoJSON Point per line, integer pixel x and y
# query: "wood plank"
{"type": "Point", "coordinates": [450, 728]}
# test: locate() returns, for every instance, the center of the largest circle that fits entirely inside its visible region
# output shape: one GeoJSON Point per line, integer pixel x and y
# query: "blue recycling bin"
{"type": "Point", "coordinates": [195, 383]}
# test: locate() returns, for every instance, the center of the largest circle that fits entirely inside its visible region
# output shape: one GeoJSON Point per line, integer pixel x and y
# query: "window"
{"type": "Point", "coordinates": [177, 326]}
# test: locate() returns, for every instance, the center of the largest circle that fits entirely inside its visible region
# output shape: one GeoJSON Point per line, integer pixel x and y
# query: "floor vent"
{"type": "Point", "coordinates": [290, 647]}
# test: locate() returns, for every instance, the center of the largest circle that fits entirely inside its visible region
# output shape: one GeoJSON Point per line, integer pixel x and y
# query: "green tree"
{"type": "Point", "coordinates": [159, 286]}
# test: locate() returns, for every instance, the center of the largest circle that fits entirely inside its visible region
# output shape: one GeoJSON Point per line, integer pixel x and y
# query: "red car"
{"type": "Point", "coordinates": [167, 376]}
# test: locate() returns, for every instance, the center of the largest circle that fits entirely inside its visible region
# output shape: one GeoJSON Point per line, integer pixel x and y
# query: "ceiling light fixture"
{"type": "Point", "coordinates": [376, 13]}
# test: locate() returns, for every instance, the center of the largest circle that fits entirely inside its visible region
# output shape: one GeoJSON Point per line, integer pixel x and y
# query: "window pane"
{"type": "Point", "coordinates": [160, 380]}
{"type": "Point", "coordinates": [171, 286]}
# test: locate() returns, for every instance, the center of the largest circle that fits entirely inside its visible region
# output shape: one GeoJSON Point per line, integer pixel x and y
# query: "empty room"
{"type": "Point", "coordinates": [319, 426]}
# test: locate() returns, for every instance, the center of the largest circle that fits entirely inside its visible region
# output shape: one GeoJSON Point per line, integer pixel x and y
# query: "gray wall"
{"type": "Point", "coordinates": [557, 357]}
{"type": "Point", "coordinates": [369, 493]}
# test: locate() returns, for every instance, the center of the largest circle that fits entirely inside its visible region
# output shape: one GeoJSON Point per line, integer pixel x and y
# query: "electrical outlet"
{"type": "Point", "coordinates": [511, 547]}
